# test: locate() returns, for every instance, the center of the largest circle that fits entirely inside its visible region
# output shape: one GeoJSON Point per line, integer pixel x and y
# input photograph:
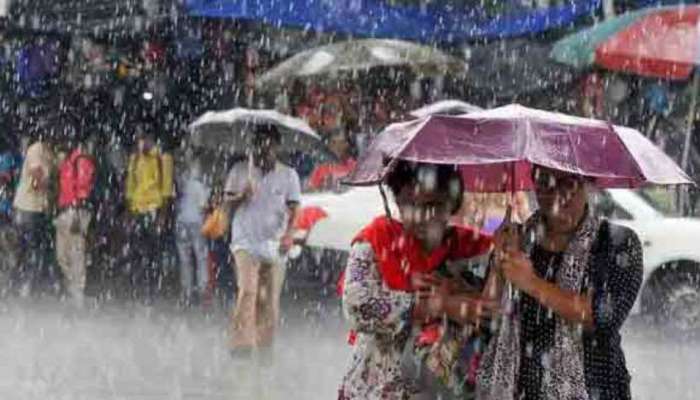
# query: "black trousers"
{"type": "Point", "coordinates": [146, 251]}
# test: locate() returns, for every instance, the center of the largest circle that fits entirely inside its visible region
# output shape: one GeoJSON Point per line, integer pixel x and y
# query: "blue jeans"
{"type": "Point", "coordinates": [192, 252]}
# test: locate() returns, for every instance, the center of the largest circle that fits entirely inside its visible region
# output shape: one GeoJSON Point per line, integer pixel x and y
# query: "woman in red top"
{"type": "Point", "coordinates": [76, 179]}
{"type": "Point", "coordinates": [389, 289]}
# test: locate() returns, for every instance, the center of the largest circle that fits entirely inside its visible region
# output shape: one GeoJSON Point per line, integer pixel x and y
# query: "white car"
{"type": "Point", "coordinates": [671, 289]}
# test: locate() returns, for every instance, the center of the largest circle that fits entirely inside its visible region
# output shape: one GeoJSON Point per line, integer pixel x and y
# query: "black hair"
{"type": "Point", "coordinates": [537, 169]}
{"type": "Point", "coordinates": [7, 142]}
{"type": "Point", "coordinates": [349, 138]}
{"type": "Point", "coordinates": [447, 179]}
{"type": "Point", "coordinates": [144, 129]}
{"type": "Point", "coordinates": [268, 131]}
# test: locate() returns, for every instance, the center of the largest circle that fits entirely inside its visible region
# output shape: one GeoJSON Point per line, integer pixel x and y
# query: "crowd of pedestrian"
{"type": "Point", "coordinates": [71, 220]}
{"type": "Point", "coordinates": [65, 210]}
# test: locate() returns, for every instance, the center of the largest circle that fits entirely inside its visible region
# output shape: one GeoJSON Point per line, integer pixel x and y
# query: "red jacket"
{"type": "Point", "coordinates": [399, 255]}
{"type": "Point", "coordinates": [76, 177]}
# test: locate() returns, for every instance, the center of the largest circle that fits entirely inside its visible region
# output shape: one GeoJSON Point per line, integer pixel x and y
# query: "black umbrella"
{"type": "Point", "coordinates": [514, 68]}
{"type": "Point", "coordinates": [88, 17]}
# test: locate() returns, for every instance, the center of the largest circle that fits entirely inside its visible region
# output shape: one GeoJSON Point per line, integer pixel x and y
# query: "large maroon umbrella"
{"type": "Point", "coordinates": [495, 150]}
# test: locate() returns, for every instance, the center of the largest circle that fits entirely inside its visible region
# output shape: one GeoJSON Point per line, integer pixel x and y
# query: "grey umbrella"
{"type": "Point", "coordinates": [362, 55]}
{"type": "Point", "coordinates": [445, 107]}
{"type": "Point", "coordinates": [230, 130]}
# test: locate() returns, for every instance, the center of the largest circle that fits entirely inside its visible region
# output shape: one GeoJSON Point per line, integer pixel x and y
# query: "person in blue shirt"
{"type": "Point", "coordinates": [10, 163]}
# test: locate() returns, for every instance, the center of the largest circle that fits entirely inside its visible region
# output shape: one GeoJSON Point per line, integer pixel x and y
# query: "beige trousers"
{"type": "Point", "coordinates": [71, 248]}
{"type": "Point", "coordinates": [257, 310]}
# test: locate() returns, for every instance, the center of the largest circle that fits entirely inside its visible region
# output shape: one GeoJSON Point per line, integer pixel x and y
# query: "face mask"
{"type": "Point", "coordinates": [196, 170]}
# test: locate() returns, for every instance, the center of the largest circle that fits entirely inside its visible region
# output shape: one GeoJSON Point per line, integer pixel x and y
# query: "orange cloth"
{"type": "Point", "coordinates": [307, 217]}
{"type": "Point", "coordinates": [322, 174]}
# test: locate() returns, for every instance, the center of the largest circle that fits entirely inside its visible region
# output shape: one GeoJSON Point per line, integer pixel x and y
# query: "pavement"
{"type": "Point", "coordinates": [51, 350]}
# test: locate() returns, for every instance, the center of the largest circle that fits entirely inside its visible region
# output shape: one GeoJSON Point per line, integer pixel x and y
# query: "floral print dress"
{"type": "Point", "coordinates": [381, 317]}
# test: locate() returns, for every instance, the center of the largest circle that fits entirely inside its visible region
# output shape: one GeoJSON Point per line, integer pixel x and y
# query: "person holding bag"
{"type": "Point", "coordinates": [265, 195]}
{"type": "Point", "coordinates": [194, 191]}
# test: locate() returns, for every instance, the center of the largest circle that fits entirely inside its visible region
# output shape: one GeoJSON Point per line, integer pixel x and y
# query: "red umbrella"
{"type": "Point", "coordinates": [308, 217]}
{"type": "Point", "coordinates": [495, 150]}
{"type": "Point", "coordinates": [656, 42]}
{"type": "Point", "coordinates": [661, 44]}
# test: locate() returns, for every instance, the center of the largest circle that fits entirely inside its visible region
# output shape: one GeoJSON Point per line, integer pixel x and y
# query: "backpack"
{"type": "Point", "coordinates": [36, 65]}
{"type": "Point", "coordinates": [102, 185]}
{"type": "Point", "coordinates": [189, 48]}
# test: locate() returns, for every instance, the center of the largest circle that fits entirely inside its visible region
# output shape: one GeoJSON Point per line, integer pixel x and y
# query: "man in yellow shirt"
{"type": "Point", "coordinates": [149, 185]}
{"type": "Point", "coordinates": [149, 194]}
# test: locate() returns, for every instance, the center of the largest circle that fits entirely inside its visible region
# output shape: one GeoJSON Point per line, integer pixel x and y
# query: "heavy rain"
{"type": "Point", "coordinates": [350, 199]}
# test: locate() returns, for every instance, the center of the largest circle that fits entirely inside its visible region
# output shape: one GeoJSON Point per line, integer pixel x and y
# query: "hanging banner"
{"type": "Point", "coordinates": [439, 21]}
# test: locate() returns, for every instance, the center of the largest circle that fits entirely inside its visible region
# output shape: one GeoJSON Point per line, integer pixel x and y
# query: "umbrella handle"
{"type": "Point", "coordinates": [387, 209]}
{"type": "Point", "coordinates": [508, 217]}
{"type": "Point", "coordinates": [251, 165]}
{"type": "Point", "coordinates": [250, 168]}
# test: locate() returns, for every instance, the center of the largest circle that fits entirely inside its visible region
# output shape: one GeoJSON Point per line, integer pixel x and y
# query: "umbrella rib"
{"type": "Point", "coordinates": [571, 145]}
{"type": "Point", "coordinates": [408, 142]}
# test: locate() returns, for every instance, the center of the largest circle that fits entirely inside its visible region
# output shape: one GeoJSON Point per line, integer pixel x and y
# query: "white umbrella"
{"type": "Point", "coordinates": [231, 129]}
{"type": "Point", "coordinates": [445, 107]}
{"type": "Point", "coordinates": [362, 55]}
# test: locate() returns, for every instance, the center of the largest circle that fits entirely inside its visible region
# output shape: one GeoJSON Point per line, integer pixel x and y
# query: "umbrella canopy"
{"type": "Point", "coordinates": [658, 170]}
{"type": "Point", "coordinates": [659, 42]}
{"type": "Point", "coordinates": [445, 107]}
{"type": "Point", "coordinates": [362, 55]}
{"type": "Point", "coordinates": [506, 69]}
{"type": "Point", "coordinates": [231, 129]}
{"type": "Point", "coordinates": [496, 149]}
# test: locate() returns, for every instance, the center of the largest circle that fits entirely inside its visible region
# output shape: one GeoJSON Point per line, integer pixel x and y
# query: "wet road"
{"type": "Point", "coordinates": [132, 352]}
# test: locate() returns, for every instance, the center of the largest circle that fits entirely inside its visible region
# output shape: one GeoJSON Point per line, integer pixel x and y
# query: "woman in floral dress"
{"type": "Point", "coordinates": [389, 291]}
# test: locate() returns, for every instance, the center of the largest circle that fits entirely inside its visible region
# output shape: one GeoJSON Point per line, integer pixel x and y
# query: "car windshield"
{"type": "Point", "coordinates": [663, 200]}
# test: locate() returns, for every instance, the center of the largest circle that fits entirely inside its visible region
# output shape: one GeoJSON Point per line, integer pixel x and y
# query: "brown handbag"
{"type": "Point", "coordinates": [216, 225]}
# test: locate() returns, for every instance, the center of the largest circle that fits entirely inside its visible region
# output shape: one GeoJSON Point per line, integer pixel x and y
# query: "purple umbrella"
{"type": "Point", "coordinates": [496, 149]}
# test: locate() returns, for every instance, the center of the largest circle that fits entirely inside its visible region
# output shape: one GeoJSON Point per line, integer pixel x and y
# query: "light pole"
{"type": "Point", "coordinates": [608, 9]}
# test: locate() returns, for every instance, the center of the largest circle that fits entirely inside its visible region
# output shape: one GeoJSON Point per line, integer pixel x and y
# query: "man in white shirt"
{"type": "Point", "coordinates": [33, 206]}
{"type": "Point", "coordinates": [264, 196]}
